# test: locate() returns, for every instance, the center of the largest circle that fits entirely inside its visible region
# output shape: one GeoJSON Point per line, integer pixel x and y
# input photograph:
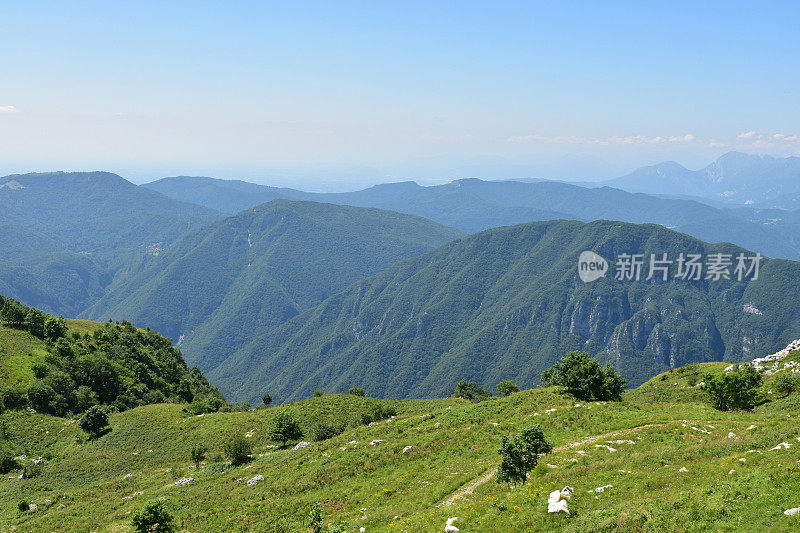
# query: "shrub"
{"type": "Point", "coordinates": [198, 454]}
{"type": "Point", "coordinates": [376, 413]}
{"type": "Point", "coordinates": [471, 391]}
{"type": "Point", "coordinates": [356, 391]}
{"type": "Point", "coordinates": [585, 379]}
{"type": "Point", "coordinates": [737, 389]}
{"type": "Point", "coordinates": [520, 454]}
{"type": "Point", "coordinates": [314, 520]}
{"type": "Point", "coordinates": [267, 399]}
{"type": "Point", "coordinates": [238, 450]}
{"type": "Point", "coordinates": [284, 428]}
{"type": "Point", "coordinates": [786, 383]}
{"type": "Point", "coordinates": [23, 506]}
{"type": "Point", "coordinates": [32, 470]}
{"type": "Point", "coordinates": [94, 421]}
{"type": "Point", "coordinates": [324, 431]}
{"type": "Point", "coordinates": [507, 387]}
{"type": "Point", "coordinates": [318, 393]}
{"type": "Point", "coordinates": [7, 461]}
{"type": "Point", "coordinates": [153, 517]}
{"type": "Point", "coordinates": [14, 397]}
{"type": "Point", "coordinates": [54, 328]}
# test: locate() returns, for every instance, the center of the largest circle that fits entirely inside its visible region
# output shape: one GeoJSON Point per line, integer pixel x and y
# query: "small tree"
{"type": "Point", "coordinates": [153, 517]}
{"type": "Point", "coordinates": [318, 393]}
{"type": "Point", "coordinates": [520, 454]}
{"type": "Point", "coordinates": [7, 460]}
{"type": "Point", "coordinates": [284, 428]}
{"type": "Point", "coordinates": [314, 520]}
{"type": "Point", "coordinates": [737, 389]}
{"type": "Point", "coordinates": [199, 454]}
{"type": "Point", "coordinates": [786, 383]}
{"type": "Point", "coordinates": [13, 313]}
{"type": "Point", "coordinates": [238, 450]}
{"type": "Point", "coordinates": [507, 387]}
{"type": "Point", "coordinates": [34, 321]}
{"type": "Point", "coordinates": [356, 391]}
{"type": "Point", "coordinates": [94, 421]}
{"type": "Point", "coordinates": [267, 399]}
{"type": "Point", "coordinates": [471, 391]}
{"type": "Point", "coordinates": [585, 379]}
{"type": "Point", "coordinates": [54, 328]}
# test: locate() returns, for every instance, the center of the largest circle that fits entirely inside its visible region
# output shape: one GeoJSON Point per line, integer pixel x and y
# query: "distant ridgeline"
{"type": "Point", "coordinates": [509, 302]}
{"type": "Point", "coordinates": [63, 367]}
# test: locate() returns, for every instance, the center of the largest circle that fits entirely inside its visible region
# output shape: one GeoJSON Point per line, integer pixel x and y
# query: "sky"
{"type": "Point", "coordinates": [330, 95]}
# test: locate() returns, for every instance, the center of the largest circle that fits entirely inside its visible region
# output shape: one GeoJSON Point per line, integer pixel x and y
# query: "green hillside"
{"type": "Point", "coordinates": [65, 235]}
{"type": "Point", "coordinates": [668, 464]}
{"type": "Point", "coordinates": [508, 301]}
{"type": "Point", "coordinates": [63, 367]}
{"type": "Point", "coordinates": [474, 205]}
{"type": "Point", "coordinates": [219, 287]}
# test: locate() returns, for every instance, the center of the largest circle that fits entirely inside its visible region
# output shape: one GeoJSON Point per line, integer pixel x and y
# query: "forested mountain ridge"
{"type": "Point", "coordinates": [218, 287]}
{"type": "Point", "coordinates": [508, 301]}
{"type": "Point", "coordinates": [65, 235]}
{"type": "Point", "coordinates": [474, 205]}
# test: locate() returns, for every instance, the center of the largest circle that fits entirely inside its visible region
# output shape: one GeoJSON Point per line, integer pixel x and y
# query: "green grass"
{"type": "Point", "coordinates": [382, 488]}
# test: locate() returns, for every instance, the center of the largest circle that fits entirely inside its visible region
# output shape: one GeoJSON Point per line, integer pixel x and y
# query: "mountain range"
{"type": "Point", "coordinates": [217, 287]}
{"type": "Point", "coordinates": [508, 301]}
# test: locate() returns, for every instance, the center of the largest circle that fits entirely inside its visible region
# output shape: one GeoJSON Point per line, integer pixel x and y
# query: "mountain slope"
{"type": "Point", "coordinates": [508, 302]}
{"type": "Point", "coordinates": [474, 205]}
{"type": "Point", "coordinates": [65, 236]}
{"type": "Point", "coordinates": [218, 287]}
{"type": "Point", "coordinates": [96, 211]}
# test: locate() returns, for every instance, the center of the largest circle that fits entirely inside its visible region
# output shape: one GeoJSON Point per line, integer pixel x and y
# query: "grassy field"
{"type": "Point", "coordinates": [368, 477]}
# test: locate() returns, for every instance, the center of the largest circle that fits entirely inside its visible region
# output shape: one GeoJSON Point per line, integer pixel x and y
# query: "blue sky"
{"type": "Point", "coordinates": [276, 92]}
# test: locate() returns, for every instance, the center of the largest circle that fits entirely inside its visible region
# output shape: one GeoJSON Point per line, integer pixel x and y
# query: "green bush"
{"type": "Point", "coordinates": [198, 454]}
{"type": "Point", "coordinates": [585, 379]}
{"type": "Point", "coordinates": [238, 450]}
{"type": "Point", "coordinates": [32, 470]}
{"type": "Point", "coordinates": [23, 506]}
{"type": "Point", "coordinates": [471, 391]}
{"type": "Point", "coordinates": [318, 393]}
{"type": "Point", "coordinates": [94, 420]}
{"type": "Point", "coordinates": [376, 413]}
{"type": "Point", "coordinates": [786, 383]}
{"type": "Point", "coordinates": [737, 389]}
{"type": "Point", "coordinates": [267, 399]}
{"type": "Point", "coordinates": [520, 454]}
{"type": "Point", "coordinates": [7, 461]}
{"type": "Point", "coordinates": [356, 391]}
{"type": "Point", "coordinates": [507, 387]}
{"type": "Point", "coordinates": [153, 517]}
{"type": "Point", "coordinates": [284, 428]}
{"type": "Point", "coordinates": [324, 431]}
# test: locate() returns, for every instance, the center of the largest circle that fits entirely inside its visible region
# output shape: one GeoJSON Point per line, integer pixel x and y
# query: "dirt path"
{"type": "Point", "coordinates": [469, 488]}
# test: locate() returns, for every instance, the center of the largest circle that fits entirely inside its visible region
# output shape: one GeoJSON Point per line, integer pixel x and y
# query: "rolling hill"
{"type": "Point", "coordinates": [508, 301]}
{"type": "Point", "coordinates": [474, 205]}
{"type": "Point", "coordinates": [217, 288]}
{"type": "Point", "coordinates": [666, 461]}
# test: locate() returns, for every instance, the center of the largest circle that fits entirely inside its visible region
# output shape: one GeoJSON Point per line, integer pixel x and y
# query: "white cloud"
{"type": "Point", "coordinates": [747, 135]}
{"type": "Point", "coordinates": [8, 109]}
{"type": "Point", "coordinates": [601, 141]}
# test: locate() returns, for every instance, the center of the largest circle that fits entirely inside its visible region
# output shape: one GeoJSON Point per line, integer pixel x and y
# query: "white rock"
{"type": "Point", "coordinates": [407, 449]}
{"type": "Point", "coordinates": [732, 435]}
{"type": "Point", "coordinates": [183, 481]}
{"type": "Point", "coordinates": [253, 481]}
{"type": "Point", "coordinates": [683, 469]}
{"type": "Point", "coordinates": [557, 500]}
{"type": "Point", "coordinates": [792, 512]}
{"type": "Point", "coordinates": [33, 507]}
{"type": "Point", "coordinates": [376, 441]}
{"type": "Point", "coordinates": [732, 471]}
{"type": "Point", "coordinates": [449, 527]}
{"type": "Point", "coordinates": [603, 488]}
{"type": "Point", "coordinates": [301, 445]}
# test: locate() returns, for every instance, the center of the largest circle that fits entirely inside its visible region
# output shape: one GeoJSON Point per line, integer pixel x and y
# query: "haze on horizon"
{"type": "Point", "coordinates": [338, 95]}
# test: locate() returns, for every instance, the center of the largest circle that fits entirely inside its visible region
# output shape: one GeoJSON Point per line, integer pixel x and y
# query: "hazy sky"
{"type": "Point", "coordinates": [298, 90]}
